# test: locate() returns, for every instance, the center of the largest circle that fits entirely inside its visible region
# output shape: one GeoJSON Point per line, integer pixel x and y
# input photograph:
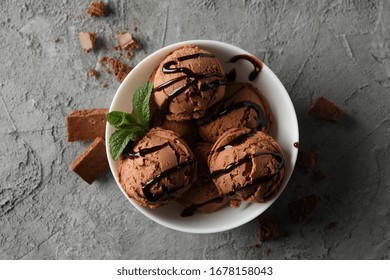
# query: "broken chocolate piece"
{"type": "Point", "coordinates": [92, 163]}
{"type": "Point", "coordinates": [97, 9]}
{"type": "Point", "coordinates": [128, 42]}
{"type": "Point", "coordinates": [302, 209]}
{"type": "Point", "coordinates": [307, 159]}
{"type": "Point", "coordinates": [86, 125]}
{"type": "Point", "coordinates": [120, 69]}
{"type": "Point", "coordinates": [268, 227]}
{"type": "Point", "coordinates": [325, 110]}
{"type": "Point", "coordinates": [87, 40]}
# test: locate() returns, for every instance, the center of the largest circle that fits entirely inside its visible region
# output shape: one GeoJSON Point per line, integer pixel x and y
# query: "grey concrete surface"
{"type": "Point", "coordinates": [339, 49]}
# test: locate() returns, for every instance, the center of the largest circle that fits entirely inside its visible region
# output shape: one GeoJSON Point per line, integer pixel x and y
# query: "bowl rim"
{"type": "Point", "coordinates": [175, 226]}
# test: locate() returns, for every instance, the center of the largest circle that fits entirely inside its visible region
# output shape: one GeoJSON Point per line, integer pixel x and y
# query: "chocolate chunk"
{"type": "Point", "coordinates": [92, 163]}
{"type": "Point", "coordinates": [307, 159]}
{"type": "Point", "coordinates": [87, 40]}
{"type": "Point", "coordinates": [268, 227]}
{"type": "Point", "coordinates": [128, 42]}
{"type": "Point", "coordinates": [302, 209]}
{"type": "Point", "coordinates": [325, 110]}
{"type": "Point", "coordinates": [97, 9]}
{"type": "Point", "coordinates": [120, 69]}
{"type": "Point", "coordinates": [86, 125]}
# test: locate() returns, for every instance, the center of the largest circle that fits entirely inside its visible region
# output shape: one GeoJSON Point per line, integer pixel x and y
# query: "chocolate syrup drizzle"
{"type": "Point", "coordinates": [192, 79]}
{"type": "Point", "coordinates": [147, 187]}
{"type": "Point", "coordinates": [257, 64]}
{"type": "Point", "coordinates": [189, 211]}
{"type": "Point", "coordinates": [231, 76]}
{"type": "Point", "coordinates": [217, 111]}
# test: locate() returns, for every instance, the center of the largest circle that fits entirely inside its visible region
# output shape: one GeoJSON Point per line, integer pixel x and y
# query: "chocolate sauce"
{"type": "Point", "coordinates": [235, 141]}
{"type": "Point", "coordinates": [192, 79]}
{"type": "Point", "coordinates": [147, 187]}
{"type": "Point", "coordinates": [261, 121]}
{"type": "Point", "coordinates": [231, 76]}
{"type": "Point", "coordinates": [246, 159]}
{"type": "Point", "coordinates": [255, 62]}
{"type": "Point", "coordinates": [189, 211]}
{"type": "Point", "coordinates": [128, 151]}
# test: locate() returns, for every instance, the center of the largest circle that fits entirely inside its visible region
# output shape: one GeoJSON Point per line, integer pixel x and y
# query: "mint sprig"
{"type": "Point", "coordinates": [142, 108]}
{"type": "Point", "coordinates": [130, 127]}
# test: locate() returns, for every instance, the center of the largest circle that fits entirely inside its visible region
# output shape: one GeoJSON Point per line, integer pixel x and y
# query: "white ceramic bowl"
{"type": "Point", "coordinates": [284, 130]}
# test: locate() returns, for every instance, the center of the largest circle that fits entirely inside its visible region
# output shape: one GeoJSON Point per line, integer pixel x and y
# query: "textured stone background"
{"type": "Point", "coordinates": [339, 49]}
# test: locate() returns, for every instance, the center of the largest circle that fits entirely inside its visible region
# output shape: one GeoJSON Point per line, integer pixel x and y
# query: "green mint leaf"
{"type": "Point", "coordinates": [119, 140]}
{"type": "Point", "coordinates": [141, 104]}
{"type": "Point", "coordinates": [122, 120]}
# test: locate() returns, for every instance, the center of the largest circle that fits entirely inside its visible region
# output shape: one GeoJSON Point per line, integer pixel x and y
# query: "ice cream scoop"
{"type": "Point", "coordinates": [187, 82]}
{"type": "Point", "coordinates": [159, 168]}
{"type": "Point", "coordinates": [247, 165]}
{"type": "Point", "coordinates": [243, 106]}
{"type": "Point", "coordinates": [203, 195]}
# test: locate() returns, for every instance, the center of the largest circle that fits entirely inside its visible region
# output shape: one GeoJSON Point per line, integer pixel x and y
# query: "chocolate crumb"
{"type": "Point", "coordinates": [87, 40]}
{"type": "Point", "coordinates": [128, 54]}
{"type": "Point", "coordinates": [120, 69]}
{"type": "Point", "coordinates": [296, 145]}
{"type": "Point", "coordinates": [93, 73]}
{"type": "Point", "coordinates": [128, 42]}
{"type": "Point", "coordinates": [302, 209]}
{"type": "Point", "coordinates": [307, 159]}
{"type": "Point", "coordinates": [104, 85]}
{"type": "Point", "coordinates": [97, 9]}
{"type": "Point", "coordinates": [268, 227]}
{"type": "Point", "coordinates": [56, 40]}
{"type": "Point", "coordinates": [325, 110]}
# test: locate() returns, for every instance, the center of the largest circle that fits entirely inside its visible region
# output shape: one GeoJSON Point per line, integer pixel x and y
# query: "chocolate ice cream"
{"type": "Point", "coordinates": [187, 82]}
{"type": "Point", "coordinates": [204, 190]}
{"type": "Point", "coordinates": [158, 169]}
{"type": "Point", "coordinates": [247, 165]}
{"type": "Point", "coordinates": [186, 130]}
{"type": "Point", "coordinates": [243, 106]}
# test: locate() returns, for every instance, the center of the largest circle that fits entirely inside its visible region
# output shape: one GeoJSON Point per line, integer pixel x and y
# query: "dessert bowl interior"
{"type": "Point", "coordinates": [284, 131]}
